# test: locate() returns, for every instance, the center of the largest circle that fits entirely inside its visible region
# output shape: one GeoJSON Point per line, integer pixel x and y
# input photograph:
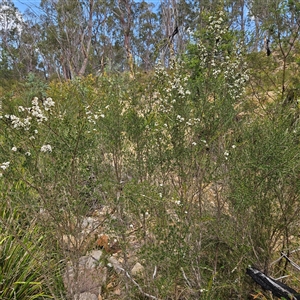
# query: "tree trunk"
{"type": "Point", "coordinates": [86, 50]}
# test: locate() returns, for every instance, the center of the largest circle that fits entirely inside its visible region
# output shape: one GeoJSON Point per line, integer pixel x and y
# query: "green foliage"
{"type": "Point", "coordinates": [200, 182]}
{"type": "Point", "coordinates": [267, 159]}
{"type": "Point", "coordinates": [23, 263]}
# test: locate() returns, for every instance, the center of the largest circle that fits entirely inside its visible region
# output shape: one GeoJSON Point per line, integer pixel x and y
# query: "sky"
{"type": "Point", "coordinates": [22, 5]}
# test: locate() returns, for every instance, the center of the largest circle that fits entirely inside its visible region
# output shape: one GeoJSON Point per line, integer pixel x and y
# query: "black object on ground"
{"type": "Point", "coordinates": [277, 288]}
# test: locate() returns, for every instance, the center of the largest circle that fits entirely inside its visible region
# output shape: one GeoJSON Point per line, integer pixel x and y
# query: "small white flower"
{"type": "Point", "coordinates": [35, 101]}
{"type": "Point", "coordinates": [226, 154]}
{"type": "Point", "coordinates": [48, 103]}
{"type": "Point", "coordinates": [180, 118]}
{"type": "Point", "coordinates": [181, 91]}
{"type": "Point", "coordinates": [233, 146]}
{"type": "Point", "coordinates": [14, 149]}
{"type": "Point", "coordinates": [131, 225]}
{"type": "Point", "coordinates": [4, 165]}
{"type": "Point", "coordinates": [46, 148]}
{"type": "Point", "coordinates": [177, 202]}
{"type": "Point", "coordinates": [27, 153]}
{"type": "Point", "coordinates": [194, 143]}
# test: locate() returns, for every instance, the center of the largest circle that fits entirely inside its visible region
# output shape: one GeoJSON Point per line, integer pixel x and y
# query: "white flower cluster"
{"type": "Point", "coordinates": [172, 102]}
{"type": "Point", "coordinates": [232, 70]}
{"type": "Point", "coordinates": [93, 117]}
{"type": "Point", "coordinates": [35, 112]}
{"type": "Point", "coordinates": [46, 148]}
{"type": "Point", "coordinates": [227, 153]}
{"type": "Point", "coordinates": [48, 103]}
{"type": "Point", "coordinates": [192, 121]}
{"type": "Point", "coordinates": [175, 88]}
{"type": "Point", "coordinates": [160, 71]}
{"type": "Point", "coordinates": [4, 165]}
{"type": "Point", "coordinates": [18, 123]}
{"type": "Point", "coordinates": [236, 75]}
{"type": "Point", "coordinates": [179, 84]}
{"type": "Point", "coordinates": [180, 118]}
{"type": "Point", "coordinates": [215, 25]}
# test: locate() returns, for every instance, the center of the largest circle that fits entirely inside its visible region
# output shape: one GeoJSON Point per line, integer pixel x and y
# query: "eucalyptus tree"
{"type": "Point", "coordinates": [101, 52]}
{"type": "Point", "coordinates": [30, 56]}
{"type": "Point", "coordinates": [122, 17]}
{"type": "Point", "coordinates": [278, 23]}
{"type": "Point", "coordinates": [147, 35]}
{"type": "Point", "coordinates": [283, 29]}
{"type": "Point", "coordinates": [68, 26]}
{"type": "Point", "coordinates": [11, 26]}
{"type": "Point", "coordinates": [177, 18]}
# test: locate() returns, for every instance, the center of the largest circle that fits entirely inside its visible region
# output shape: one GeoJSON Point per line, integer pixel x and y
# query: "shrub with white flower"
{"type": "Point", "coordinates": [219, 56]}
{"type": "Point", "coordinates": [34, 113]}
{"type": "Point", "coordinates": [171, 100]}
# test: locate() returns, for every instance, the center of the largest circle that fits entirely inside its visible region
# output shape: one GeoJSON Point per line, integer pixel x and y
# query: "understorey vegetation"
{"type": "Point", "coordinates": [192, 167]}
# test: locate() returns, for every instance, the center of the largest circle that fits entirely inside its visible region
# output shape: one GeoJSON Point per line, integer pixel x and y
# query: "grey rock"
{"type": "Point", "coordinates": [85, 276]}
{"type": "Point", "coordinates": [115, 264]}
{"type": "Point", "coordinates": [137, 269]}
{"type": "Point", "coordinates": [96, 254]}
{"type": "Point", "coordinates": [87, 296]}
